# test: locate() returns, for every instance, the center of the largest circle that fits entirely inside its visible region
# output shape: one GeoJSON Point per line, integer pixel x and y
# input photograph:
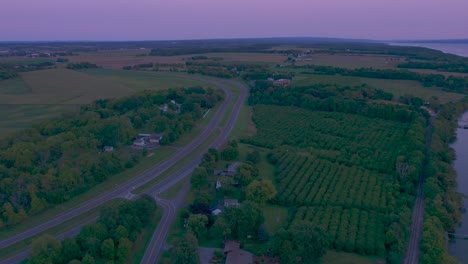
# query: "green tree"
{"type": "Point", "coordinates": [108, 249]}
{"type": "Point", "coordinates": [309, 240]}
{"type": "Point", "coordinates": [220, 229]}
{"type": "Point", "coordinates": [124, 248]}
{"type": "Point", "coordinates": [301, 241]}
{"type": "Point", "coordinates": [199, 178]}
{"type": "Point", "coordinates": [70, 250]}
{"type": "Point", "coordinates": [185, 250]}
{"type": "Point", "coordinates": [230, 153]}
{"type": "Point", "coordinates": [88, 259]}
{"type": "Point", "coordinates": [46, 249]}
{"type": "Point", "coordinates": [196, 224]}
{"type": "Point", "coordinates": [120, 232]}
{"type": "Point", "coordinates": [243, 220]}
{"type": "Point", "coordinates": [253, 157]}
{"type": "Point", "coordinates": [261, 191]}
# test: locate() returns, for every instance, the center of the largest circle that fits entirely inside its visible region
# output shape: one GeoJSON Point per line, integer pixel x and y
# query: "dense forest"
{"type": "Point", "coordinates": [58, 159]}
{"type": "Point", "coordinates": [110, 240]}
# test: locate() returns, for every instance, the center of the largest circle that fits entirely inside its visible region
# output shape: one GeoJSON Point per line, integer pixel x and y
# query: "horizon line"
{"type": "Point", "coordinates": [240, 38]}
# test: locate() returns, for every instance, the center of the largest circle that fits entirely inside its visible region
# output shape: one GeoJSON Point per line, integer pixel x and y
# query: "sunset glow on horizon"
{"type": "Point", "coordinates": [198, 19]}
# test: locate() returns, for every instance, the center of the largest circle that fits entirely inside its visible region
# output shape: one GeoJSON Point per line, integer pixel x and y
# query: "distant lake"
{"type": "Point", "coordinates": [458, 49]}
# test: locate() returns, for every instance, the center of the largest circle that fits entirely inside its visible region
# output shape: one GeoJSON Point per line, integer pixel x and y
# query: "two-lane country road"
{"type": "Point", "coordinates": [417, 218]}
{"type": "Point", "coordinates": [151, 173]}
{"type": "Point", "coordinates": [156, 246]}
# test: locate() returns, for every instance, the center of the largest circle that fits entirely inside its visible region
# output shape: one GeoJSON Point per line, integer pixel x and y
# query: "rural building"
{"type": "Point", "coordinates": [108, 148]}
{"type": "Point", "coordinates": [230, 171]}
{"type": "Point", "coordinates": [235, 255]}
{"type": "Point", "coordinates": [216, 211]}
{"type": "Point", "coordinates": [165, 107]}
{"type": "Point", "coordinates": [281, 82]}
{"type": "Point", "coordinates": [147, 140]}
{"type": "Point", "coordinates": [218, 185]}
{"type": "Point", "coordinates": [230, 202]}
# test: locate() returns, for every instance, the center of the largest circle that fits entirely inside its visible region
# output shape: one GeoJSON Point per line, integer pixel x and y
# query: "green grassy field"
{"type": "Point", "coordinates": [41, 95]}
{"type": "Point", "coordinates": [117, 59]}
{"type": "Point", "coordinates": [275, 217]}
{"type": "Point", "coordinates": [396, 87]}
{"type": "Point", "coordinates": [173, 191]}
{"type": "Point", "coordinates": [350, 61]}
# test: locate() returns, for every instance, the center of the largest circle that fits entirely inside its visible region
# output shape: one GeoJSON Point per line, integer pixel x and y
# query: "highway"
{"type": "Point", "coordinates": [153, 172]}
{"type": "Point", "coordinates": [412, 253]}
{"type": "Point", "coordinates": [156, 246]}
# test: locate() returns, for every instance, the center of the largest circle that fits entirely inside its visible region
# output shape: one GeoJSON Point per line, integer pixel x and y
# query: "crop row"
{"type": "Point", "coordinates": [310, 181]}
{"type": "Point", "coordinates": [359, 140]}
{"type": "Point", "coordinates": [350, 230]}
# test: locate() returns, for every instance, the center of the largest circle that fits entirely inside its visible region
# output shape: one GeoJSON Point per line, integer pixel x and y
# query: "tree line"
{"type": "Point", "coordinates": [439, 66]}
{"type": "Point", "coordinates": [359, 100]}
{"type": "Point", "coordinates": [450, 83]}
{"type": "Point", "coordinates": [11, 70]}
{"type": "Point", "coordinates": [81, 65]}
{"type": "Point", "coordinates": [443, 204]}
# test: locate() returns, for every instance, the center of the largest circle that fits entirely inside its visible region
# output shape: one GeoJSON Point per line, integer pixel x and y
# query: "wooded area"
{"type": "Point", "coordinates": [58, 159]}
{"type": "Point", "coordinates": [110, 240]}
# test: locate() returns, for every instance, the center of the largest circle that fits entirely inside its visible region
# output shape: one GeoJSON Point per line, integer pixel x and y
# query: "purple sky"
{"type": "Point", "coordinates": [194, 19]}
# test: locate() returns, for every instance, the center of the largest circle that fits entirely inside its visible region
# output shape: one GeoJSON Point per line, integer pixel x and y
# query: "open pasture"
{"type": "Point", "coordinates": [351, 61]}
{"type": "Point", "coordinates": [45, 94]}
{"type": "Point", "coordinates": [120, 58]}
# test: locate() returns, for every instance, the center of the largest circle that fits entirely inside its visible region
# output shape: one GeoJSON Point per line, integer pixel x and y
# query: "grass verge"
{"type": "Point", "coordinates": [174, 190]}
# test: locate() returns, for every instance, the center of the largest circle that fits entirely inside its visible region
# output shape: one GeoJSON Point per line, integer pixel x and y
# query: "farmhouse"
{"type": "Point", "coordinates": [230, 171]}
{"type": "Point", "coordinates": [147, 140]}
{"type": "Point", "coordinates": [281, 82]}
{"type": "Point", "coordinates": [216, 211]}
{"type": "Point", "coordinates": [165, 107]}
{"type": "Point", "coordinates": [108, 148]}
{"type": "Point", "coordinates": [231, 202]}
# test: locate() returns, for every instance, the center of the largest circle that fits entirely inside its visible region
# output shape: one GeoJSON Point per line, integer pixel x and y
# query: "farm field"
{"type": "Point", "coordinates": [338, 170]}
{"type": "Point", "coordinates": [119, 59]}
{"type": "Point", "coordinates": [338, 136]}
{"type": "Point", "coordinates": [41, 95]}
{"type": "Point", "coordinates": [351, 61]}
{"type": "Point", "coordinates": [395, 87]}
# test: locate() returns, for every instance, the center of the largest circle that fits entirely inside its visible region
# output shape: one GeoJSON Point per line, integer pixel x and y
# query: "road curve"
{"type": "Point", "coordinates": [147, 176]}
{"type": "Point", "coordinates": [412, 253]}
{"type": "Point", "coordinates": [156, 246]}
